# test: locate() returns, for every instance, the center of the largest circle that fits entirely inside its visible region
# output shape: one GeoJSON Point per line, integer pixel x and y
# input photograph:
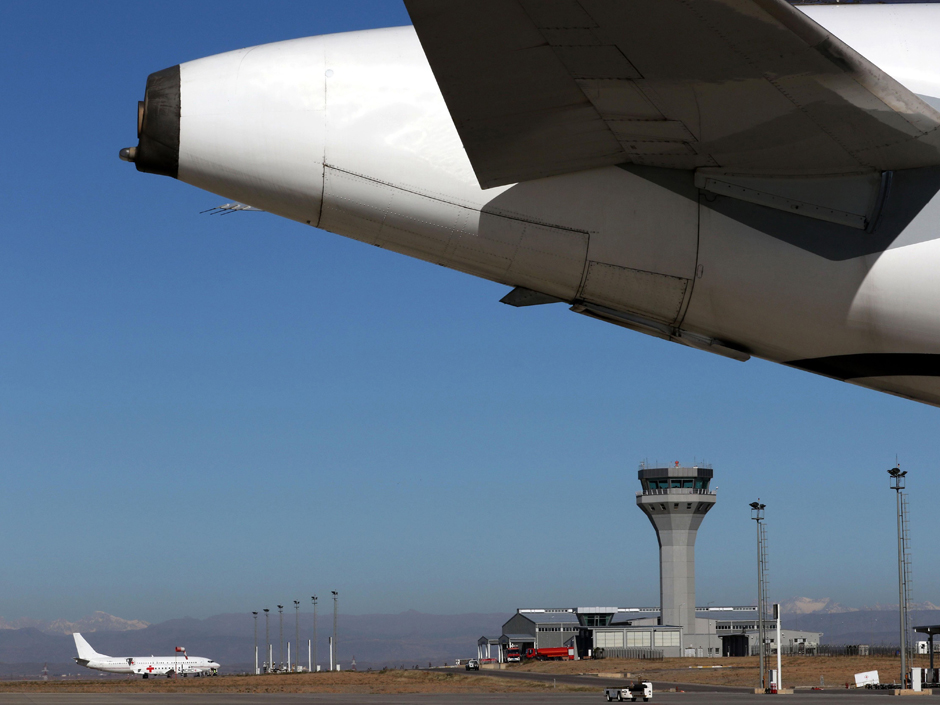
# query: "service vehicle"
{"type": "Point", "coordinates": [473, 665]}
{"type": "Point", "coordinates": [513, 655]}
{"type": "Point", "coordinates": [640, 689]}
{"type": "Point", "coordinates": [560, 653]}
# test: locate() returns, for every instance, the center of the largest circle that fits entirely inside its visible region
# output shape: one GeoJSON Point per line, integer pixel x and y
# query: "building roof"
{"type": "Point", "coordinates": [550, 617]}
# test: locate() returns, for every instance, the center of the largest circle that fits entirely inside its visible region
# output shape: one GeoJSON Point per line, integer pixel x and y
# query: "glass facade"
{"type": "Point", "coordinates": [697, 483]}
{"type": "Point", "coordinates": [595, 620]}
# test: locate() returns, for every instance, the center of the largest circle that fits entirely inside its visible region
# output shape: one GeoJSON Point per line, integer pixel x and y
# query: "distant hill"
{"type": "Point", "coordinates": [810, 605]}
{"type": "Point", "coordinates": [405, 639]}
{"type": "Point", "coordinates": [858, 626]}
{"type": "Point", "coordinates": [409, 638]}
{"type": "Point", "coordinates": [95, 622]}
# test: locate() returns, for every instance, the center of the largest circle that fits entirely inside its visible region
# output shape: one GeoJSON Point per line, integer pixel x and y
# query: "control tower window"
{"type": "Point", "coordinates": [687, 483]}
{"type": "Point", "coordinates": [677, 483]}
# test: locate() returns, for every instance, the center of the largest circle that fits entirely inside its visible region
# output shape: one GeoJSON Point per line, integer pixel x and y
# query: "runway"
{"type": "Point", "coordinates": [833, 697]}
{"type": "Point", "coordinates": [600, 683]}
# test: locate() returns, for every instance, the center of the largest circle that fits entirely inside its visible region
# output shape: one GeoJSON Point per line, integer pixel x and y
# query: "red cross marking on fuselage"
{"type": "Point", "coordinates": [150, 668]}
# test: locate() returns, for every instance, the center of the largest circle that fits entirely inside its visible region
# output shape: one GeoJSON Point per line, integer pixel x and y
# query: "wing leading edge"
{"type": "Point", "coordinates": [544, 87]}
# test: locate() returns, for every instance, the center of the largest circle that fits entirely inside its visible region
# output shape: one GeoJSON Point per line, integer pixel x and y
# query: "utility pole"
{"type": "Point", "coordinates": [297, 631]}
{"type": "Point", "coordinates": [898, 484]}
{"type": "Point", "coordinates": [267, 638]}
{"type": "Point", "coordinates": [314, 598]}
{"type": "Point", "coordinates": [757, 514]}
{"type": "Point", "coordinates": [335, 600]}
{"type": "Point", "coordinates": [256, 642]}
{"type": "Point", "coordinates": [280, 612]}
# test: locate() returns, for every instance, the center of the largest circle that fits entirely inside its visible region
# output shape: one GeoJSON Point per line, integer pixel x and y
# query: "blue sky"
{"type": "Point", "coordinates": [215, 414]}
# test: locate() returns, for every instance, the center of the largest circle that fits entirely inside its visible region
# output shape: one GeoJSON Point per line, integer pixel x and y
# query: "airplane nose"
{"type": "Point", "coordinates": [158, 126]}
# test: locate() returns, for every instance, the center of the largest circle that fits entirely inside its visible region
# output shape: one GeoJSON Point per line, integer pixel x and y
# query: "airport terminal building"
{"type": "Point", "coordinates": [675, 500]}
{"type": "Point", "coordinates": [637, 632]}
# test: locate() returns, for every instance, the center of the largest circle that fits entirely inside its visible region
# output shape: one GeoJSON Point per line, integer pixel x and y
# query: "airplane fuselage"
{"type": "Point", "coordinates": [150, 665]}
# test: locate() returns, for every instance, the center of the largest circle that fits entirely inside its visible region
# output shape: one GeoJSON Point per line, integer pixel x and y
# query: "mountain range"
{"type": "Point", "coordinates": [406, 639]}
{"type": "Point", "coordinates": [95, 622]}
{"type": "Point", "coordinates": [810, 605]}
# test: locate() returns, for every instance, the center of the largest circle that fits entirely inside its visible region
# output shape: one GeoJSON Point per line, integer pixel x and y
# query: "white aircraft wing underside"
{"type": "Point", "coordinates": [544, 87]}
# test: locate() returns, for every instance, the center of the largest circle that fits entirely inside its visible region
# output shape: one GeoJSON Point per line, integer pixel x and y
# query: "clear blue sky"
{"type": "Point", "coordinates": [214, 414]}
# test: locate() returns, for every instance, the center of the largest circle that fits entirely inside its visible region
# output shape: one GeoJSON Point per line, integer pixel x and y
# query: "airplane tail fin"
{"type": "Point", "coordinates": [85, 652]}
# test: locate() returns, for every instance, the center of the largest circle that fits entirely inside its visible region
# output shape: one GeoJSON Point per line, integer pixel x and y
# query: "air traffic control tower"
{"type": "Point", "coordinates": [676, 499]}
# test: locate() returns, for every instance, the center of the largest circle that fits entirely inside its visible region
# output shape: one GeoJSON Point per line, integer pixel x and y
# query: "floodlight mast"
{"type": "Point", "coordinates": [256, 642]}
{"type": "Point", "coordinates": [314, 665]}
{"type": "Point", "coordinates": [297, 631]}
{"type": "Point", "coordinates": [757, 514]}
{"type": "Point", "coordinates": [280, 612]}
{"type": "Point", "coordinates": [898, 484]}
{"type": "Point", "coordinates": [267, 638]}
{"type": "Point", "coordinates": [335, 600]}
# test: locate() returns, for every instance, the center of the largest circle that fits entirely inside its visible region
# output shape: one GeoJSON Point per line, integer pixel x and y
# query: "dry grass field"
{"type": "Point", "coordinates": [380, 682]}
{"type": "Point", "coordinates": [798, 671]}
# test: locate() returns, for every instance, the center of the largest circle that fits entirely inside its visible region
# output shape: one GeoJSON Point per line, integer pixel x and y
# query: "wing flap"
{"type": "Point", "coordinates": [543, 87]}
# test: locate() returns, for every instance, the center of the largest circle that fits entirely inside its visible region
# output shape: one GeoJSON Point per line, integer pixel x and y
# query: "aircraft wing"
{"type": "Point", "coordinates": [544, 87]}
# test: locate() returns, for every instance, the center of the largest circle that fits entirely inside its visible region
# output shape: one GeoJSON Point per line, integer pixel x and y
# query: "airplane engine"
{"type": "Point", "coordinates": [246, 124]}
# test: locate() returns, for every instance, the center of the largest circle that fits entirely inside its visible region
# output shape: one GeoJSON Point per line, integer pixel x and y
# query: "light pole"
{"type": "Point", "coordinates": [256, 642]}
{"type": "Point", "coordinates": [314, 598]}
{"type": "Point", "coordinates": [335, 601]}
{"type": "Point", "coordinates": [267, 638]}
{"type": "Point", "coordinates": [898, 484]}
{"type": "Point", "coordinates": [297, 630]}
{"type": "Point", "coordinates": [757, 514]}
{"type": "Point", "coordinates": [280, 612]}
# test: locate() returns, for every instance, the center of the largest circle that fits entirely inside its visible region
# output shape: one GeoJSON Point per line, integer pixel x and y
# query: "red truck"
{"type": "Point", "coordinates": [561, 653]}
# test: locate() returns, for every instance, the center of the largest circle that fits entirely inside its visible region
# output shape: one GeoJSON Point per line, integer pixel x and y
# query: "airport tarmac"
{"type": "Point", "coordinates": [831, 697]}
{"type": "Point", "coordinates": [570, 679]}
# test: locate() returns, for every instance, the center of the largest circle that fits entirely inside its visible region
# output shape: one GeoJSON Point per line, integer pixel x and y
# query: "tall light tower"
{"type": "Point", "coordinates": [904, 565]}
{"type": "Point", "coordinates": [267, 638]}
{"type": "Point", "coordinates": [676, 499]}
{"type": "Point", "coordinates": [256, 642]}
{"type": "Point", "coordinates": [297, 630]}
{"type": "Point", "coordinates": [757, 514]}
{"type": "Point", "coordinates": [280, 612]}
{"type": "Point", "coordinates": [314, 598]}
{"type": "Point", "coordinates": [335, 600]}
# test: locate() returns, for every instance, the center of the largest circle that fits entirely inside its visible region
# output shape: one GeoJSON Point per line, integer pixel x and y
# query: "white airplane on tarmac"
{"type": "Point", "coordinates": [745, 177]}
{"type": "Point", "coordinates": [145, 666]}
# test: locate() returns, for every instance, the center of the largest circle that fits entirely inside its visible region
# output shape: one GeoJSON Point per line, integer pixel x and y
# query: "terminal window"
{"type": "Point", "coordinates": [638, 639]}
{"type": "Point", "coordinates": [608, 640]}
{"type": "Point", "coordinates": [667, 638]}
